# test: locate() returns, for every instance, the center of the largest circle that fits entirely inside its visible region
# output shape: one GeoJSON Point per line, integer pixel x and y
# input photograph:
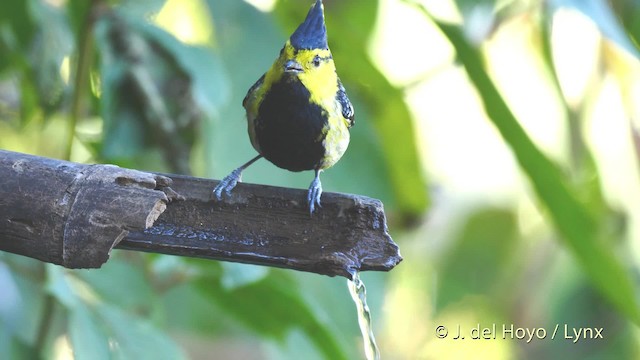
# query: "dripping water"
{"type": "Point", "coordinates": [359, 296]}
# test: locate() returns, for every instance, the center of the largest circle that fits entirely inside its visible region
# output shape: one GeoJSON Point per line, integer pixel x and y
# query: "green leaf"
{"type": "Point", "coordinates": [29, 99]}
{"type": "Point", "coordinates": [10, 301]}
{"type": "Point", "coordinates": [628, 11]}
{"type": "Point", "coordinates": [51, 44]}
{"type": "Point", "coordinates": [59, 285]}
{"type": "Point", "coordinates": [237, 275]}
{"type": "Point", "coordinates": [583, 168]}
{"type": "Point", "coordinates": [135, 339]}
{"type": "Point", "coordinates": [141, 9]}
{"type": "Point", "coordinates": [573, 221]}
{"type": "Point", "coordinates": [203, 66]}
{"type": "Point", "coordinates": [575, 303]}
{"type": "Point", "coordinates": [187, 302]}
{"type": "Point", "coordinates": [17, 15]}
{"type": "Point", "coordinates": [155, 91]}
{"type": "Point", "coordinates": [273, 307]}
{"type": "Point", "coordinates": [120, 282]}
{"type": "Point", "coordinates": [100, 330]}
{"type": "Point", "coordinates": [34, 39]}
{"type": "Point", "coordinates": [30, 307]}
{"type": "Point", "coordinates": [88, 339]}
{"type": "Point", "coordinates": [78, 15]}
{"type": "Point", "coordinates": [485, 245]}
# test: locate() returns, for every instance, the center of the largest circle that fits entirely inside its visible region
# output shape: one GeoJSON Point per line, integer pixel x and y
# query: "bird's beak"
{"type": "Point", "coordinates": [292, 66]}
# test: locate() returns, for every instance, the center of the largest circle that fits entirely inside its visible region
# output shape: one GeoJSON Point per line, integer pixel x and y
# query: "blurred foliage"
{"type": "Point", "coordinates": [157, 85]}
{"type": "Point", "coordinates": [573, 220]}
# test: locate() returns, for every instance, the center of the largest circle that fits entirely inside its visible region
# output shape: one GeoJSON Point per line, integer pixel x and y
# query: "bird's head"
{"type": "Point", "coordinates": [306, 54]}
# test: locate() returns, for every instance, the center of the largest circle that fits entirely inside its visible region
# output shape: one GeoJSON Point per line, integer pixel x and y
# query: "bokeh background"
{"type": "Point", "coordinates": [501, 136]}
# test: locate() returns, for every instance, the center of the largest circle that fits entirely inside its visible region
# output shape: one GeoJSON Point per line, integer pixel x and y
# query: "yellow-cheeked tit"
{"type": "Point", "coordinates": [298, 112]}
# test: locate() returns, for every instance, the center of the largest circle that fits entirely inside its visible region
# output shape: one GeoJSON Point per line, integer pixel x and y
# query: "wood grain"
{"type": "Point", "coordinates": [74, 214]}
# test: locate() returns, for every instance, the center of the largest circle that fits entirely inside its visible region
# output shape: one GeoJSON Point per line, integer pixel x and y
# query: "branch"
{"type": "Point", "coordinates": [73, 215]}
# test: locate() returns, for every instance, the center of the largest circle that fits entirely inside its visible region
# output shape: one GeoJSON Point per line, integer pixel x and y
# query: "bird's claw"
{"type": "Point", "coordinates": [313, 197]}
{"type": "Point", "coordinates": [228, 183]}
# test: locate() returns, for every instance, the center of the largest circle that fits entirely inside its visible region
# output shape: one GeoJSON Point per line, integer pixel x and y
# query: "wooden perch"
{"type": "Point", "coordinates": [73, 215]}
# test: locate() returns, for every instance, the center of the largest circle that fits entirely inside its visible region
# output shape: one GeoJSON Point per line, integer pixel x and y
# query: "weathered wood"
{"type": "Point", "coordinates": [271, 226]}
{"type": "Point", "coordinates": [72, 214]}
{"type": "Point", "coordinates": [49, 199]}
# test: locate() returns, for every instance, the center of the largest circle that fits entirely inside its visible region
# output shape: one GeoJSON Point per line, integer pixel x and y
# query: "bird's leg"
{"type": "Point", "coordinates": [315, 190]}
{"type": "Point", "coordinates": [230, 181]}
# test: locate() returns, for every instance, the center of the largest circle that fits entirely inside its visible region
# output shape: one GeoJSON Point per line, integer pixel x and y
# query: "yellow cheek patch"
{"type": "Point", "coordinates": [321, 80]}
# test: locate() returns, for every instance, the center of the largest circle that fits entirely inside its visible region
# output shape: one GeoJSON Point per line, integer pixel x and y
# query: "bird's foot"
{"type": "Point", "coordinates": [228, 183]}
{"type": "Point", "coordinates": [315, 191]}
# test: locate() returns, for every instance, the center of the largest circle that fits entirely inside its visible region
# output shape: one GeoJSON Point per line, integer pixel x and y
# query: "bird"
{"type": "Point", "coordinates": [298, 112]}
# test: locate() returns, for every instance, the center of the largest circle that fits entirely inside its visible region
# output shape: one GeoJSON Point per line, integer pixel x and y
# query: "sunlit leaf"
{"type": "Point", "coordinates": [574, 222]}
{"type": "Point", "coordinates": [585, 176]}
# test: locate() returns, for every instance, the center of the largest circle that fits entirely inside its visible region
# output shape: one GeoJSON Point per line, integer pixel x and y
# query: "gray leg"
{"type": "Point", "coordinates": [315, 191]}
{"type": "Point", "coordinates": [230, 181]}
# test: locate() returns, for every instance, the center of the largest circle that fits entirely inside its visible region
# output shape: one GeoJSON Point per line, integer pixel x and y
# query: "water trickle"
{"type": "Point", "coordinates": [359, 296]}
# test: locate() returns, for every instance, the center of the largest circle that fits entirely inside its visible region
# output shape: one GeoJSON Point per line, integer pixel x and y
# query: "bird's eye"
{"type": "Point", "coordinates": [316, 61]}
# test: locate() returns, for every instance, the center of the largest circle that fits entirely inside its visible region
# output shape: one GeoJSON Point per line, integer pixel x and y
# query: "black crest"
{"type": "Point", "coordinates": [312, 33]}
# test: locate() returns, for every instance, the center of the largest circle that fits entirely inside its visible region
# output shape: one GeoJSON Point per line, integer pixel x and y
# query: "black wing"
{"type": "Point", "coordinates": [252, 89]}
{"type": "Point", "coordinates": [347, 108]}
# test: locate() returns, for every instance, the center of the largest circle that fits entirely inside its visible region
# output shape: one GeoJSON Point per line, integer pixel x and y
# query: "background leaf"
{"type": "Point", "coordinates": [282, 311]}
{"type": "Point", "coordinates": [87, 339]}
{"type": "Point", "coordinates": [531, 187]}
{"type": "Point", "coordinates": [575, 223]}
